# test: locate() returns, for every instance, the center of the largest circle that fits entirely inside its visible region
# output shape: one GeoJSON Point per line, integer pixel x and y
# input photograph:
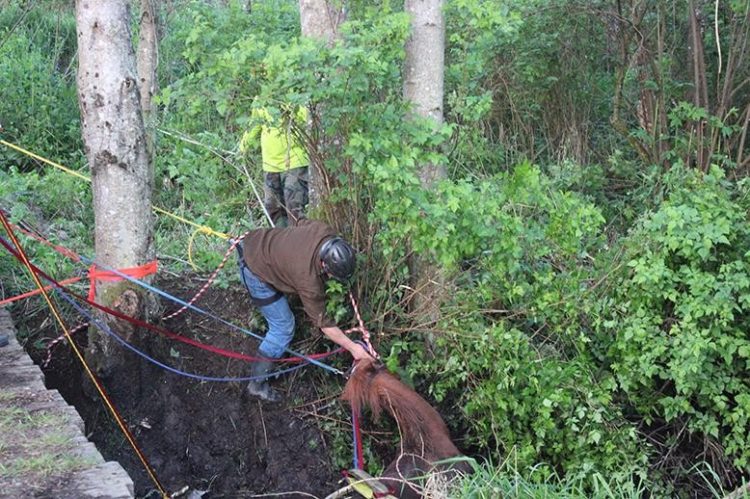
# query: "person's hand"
{"type": "Point", "coordinates": [359, 352]}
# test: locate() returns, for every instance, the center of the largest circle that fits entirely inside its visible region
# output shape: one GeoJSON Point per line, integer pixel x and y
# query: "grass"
{"type": "Point", "coordinates": [489, 481]}
{"type": "Point", "coordinates": [33, 445]}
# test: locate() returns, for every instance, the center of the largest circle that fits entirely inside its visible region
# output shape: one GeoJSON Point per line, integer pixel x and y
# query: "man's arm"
{"type": "Point", "coordinates": [337, 336]}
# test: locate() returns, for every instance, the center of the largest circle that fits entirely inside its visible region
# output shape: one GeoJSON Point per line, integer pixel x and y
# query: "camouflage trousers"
{"type": "Point", "coordinates": [286, 196]}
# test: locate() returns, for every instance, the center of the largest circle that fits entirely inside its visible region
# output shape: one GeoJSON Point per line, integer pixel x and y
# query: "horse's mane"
{"type": "Point", "coordinates": [424, 432]}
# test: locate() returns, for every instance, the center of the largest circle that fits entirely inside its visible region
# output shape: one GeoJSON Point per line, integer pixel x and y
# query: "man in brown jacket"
{"type": "Point", "coordinates": [298, 260]}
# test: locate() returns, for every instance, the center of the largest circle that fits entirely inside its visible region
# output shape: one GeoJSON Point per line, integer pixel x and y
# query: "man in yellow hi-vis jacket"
{"type": "Point", "coordinates": [285, 164]}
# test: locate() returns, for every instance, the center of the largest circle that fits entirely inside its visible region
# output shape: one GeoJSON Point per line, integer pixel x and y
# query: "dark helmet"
{"type": "Point", "coordinates": [338, 258]}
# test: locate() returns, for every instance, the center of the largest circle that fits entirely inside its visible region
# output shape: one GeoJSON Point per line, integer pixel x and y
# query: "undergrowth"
{"type": "Point", "coordinates": [594, 316]}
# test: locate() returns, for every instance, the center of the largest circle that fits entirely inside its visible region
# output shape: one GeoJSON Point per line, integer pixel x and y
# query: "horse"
{"type": "Point", "coordinates": [425, 440]}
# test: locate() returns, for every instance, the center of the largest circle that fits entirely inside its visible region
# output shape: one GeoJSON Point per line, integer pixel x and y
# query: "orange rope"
{"type": "Point", "coordinates": [79, 354]}
{"type": "Point", "coordinates": [37, 291]}
{"type": "Point", "coordinates": [109, 276]}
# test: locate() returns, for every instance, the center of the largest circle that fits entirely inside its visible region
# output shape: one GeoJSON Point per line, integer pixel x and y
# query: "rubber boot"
{"type": "Point", "coordinates": [260, 387]}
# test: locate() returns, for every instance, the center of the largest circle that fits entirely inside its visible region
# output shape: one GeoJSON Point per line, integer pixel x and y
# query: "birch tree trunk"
{"type": "Point", "coordinates": [423, 88]}
{"type": "Point", "coordinates": [320, 20]}
{"type": "Point", "coordinates": [121, 169]}
{"type": "Point", "coordinates": [424, 68]}
{"type": "Point", "coordinates": [147, 61]}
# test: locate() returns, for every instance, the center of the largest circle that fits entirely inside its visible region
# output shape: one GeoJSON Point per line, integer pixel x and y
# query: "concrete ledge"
{"type": "Point", "coordinates": [43, 449]}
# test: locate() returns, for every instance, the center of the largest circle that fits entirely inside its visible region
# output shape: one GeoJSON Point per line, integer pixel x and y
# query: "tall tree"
{"type": "Point", "coordinates": [121, 168]}
{"type": "Point", "coordinates": [147, 61]}
{"type": "Point", "coordinates": [320, 20]}
{"type": "Point", "coordinates": [424, 70]}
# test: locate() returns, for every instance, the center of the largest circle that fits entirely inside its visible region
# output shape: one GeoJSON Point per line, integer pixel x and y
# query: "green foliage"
{"type": "Point", "coordinates": [557, 336]}
{"type": "Point", "coordinates": [38, 109]}
{"type": "Point", "coordinates": [39, 112]}
{"type": "Point", "coordinates": [682, 119]}
{"type": "Point", "coordinates": [208, 89]}
{"type": "Point", "coordinates": [674, 328]}
{"type": "Point", "coordinates": [60, 222]}
{"type": "Point", "coordinates": [514, 70]}
{"type": "Point", "coordinates": [522, 394]}
{"type": "Point", "coordinates": [513, 354]}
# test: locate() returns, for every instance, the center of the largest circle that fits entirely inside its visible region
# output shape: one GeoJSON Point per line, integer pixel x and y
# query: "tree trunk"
{"type": "Point", "coordinates": [424, 69]}
{"type": "Point", "coordinates": [320, 20]}
{"type": "Point", "coordinates": [627, 26]}
{"type": "Point", "coordinates": [121, 169]}
{"type": "Point", "coordinates": [148, 58]}
{"type": "Point", "coordinates": [423, 88]}
{"type": "Point", "coordinates": [700, 90]}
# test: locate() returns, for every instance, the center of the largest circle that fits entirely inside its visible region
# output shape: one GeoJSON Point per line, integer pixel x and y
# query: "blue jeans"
{"type": "Point", "coordinates": [278, 315]}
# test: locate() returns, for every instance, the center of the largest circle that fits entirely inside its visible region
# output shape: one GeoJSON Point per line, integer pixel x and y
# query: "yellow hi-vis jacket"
{"type": "Point", "coordinates": [280, 151]}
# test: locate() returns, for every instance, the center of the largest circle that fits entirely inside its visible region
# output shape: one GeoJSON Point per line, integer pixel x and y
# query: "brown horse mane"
{"type": "Point", "coordinates": [423, 431]}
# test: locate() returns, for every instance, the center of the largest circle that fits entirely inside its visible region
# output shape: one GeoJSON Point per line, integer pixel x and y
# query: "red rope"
{"type": "Point", "coordinates": [169, 334]}
{"type": "Point", "coordinates": [37, 291]}
{"type": "Point", "coordinates": [94, 273]}
{"type": "Point", "coordinates": [110, 276]}
{"type": "Point", "coordinates": [359, 462]}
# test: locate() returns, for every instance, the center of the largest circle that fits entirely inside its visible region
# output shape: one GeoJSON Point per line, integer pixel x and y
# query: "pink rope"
{"type": "Point", "coordinates": [59, 339]}
{"type": "Point", "coordinates": [211, 279]}
{"type": "Point", "coordinates": [361, 326]}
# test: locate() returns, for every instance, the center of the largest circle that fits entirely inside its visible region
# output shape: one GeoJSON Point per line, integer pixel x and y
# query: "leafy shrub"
{"type": "Point", "coordinates": [674, 328]}
{"type": "Point", "coordinates": [512, 349]}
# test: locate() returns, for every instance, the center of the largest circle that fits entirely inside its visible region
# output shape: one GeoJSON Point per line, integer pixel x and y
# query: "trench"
{"type": "Point", "coordinates": [208, 438]}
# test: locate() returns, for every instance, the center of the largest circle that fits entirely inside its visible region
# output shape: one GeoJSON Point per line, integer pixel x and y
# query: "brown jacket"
{"type": "Point", "coordinates": [288, 259]}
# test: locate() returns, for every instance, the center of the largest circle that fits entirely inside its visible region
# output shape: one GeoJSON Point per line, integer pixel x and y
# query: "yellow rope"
{"type": "Point", "coordinates": [201, 228]}
{"type": "Point", "coordinates": [45, 160]}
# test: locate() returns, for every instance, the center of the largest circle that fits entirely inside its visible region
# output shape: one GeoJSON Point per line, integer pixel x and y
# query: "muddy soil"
{"type": "Point", "coordinates": [210, 436]}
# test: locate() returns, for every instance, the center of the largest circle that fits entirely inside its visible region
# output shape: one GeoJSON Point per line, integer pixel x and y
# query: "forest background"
{"type": "Point", "coordinates": [591, 232]}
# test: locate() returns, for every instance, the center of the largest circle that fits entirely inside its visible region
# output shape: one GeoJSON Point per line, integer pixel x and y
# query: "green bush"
{"type": "Point", "coordinates": [512, 349]}
{"type": "Point", "coordinates": [674, 328]}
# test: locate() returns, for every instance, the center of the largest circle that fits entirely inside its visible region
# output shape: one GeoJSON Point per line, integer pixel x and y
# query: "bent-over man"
{"type": "Point", "coordinates": [297, 260]}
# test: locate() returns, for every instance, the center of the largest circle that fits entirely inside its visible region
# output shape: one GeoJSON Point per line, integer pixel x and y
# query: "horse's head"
{"type": "Point", "coordinates": [366, 368]}
{"type": "Point", "coordinates": [424, 435]}
{"type": "Point", "coordinates": [359, 391]}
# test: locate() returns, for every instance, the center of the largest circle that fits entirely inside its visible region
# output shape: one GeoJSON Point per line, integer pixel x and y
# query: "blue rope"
{"type": "Point", "coordinates": [104, 327]}
{"type": "Point", "coordinates": [208, 314]}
